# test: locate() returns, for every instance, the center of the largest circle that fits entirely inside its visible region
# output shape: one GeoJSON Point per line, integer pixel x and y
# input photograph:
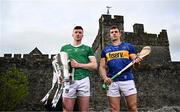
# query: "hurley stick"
{"type": "Point", "coordinates": [144, 52]}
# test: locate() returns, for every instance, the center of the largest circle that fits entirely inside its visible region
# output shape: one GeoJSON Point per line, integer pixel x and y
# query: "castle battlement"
{"type": "Point", "coordinates": [138, 28]}
{"type": "Point", "coordinates": [27, 56]}
{"type": "Point", "coordinates": [142, 38]}
{"type": "Point", "coordinates": [35, 54]}
{"type": "Point", "coordinates": [108, 18]}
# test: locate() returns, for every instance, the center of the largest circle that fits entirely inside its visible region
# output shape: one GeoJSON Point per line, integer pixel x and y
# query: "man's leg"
{"type": "Point", "coordinates": [83, 102]}
{"type": "Point", "coordinates": [132, 103]}
{"type": "Point", "coordinates": [114, 97]}
{"type": "Point", "coordinates": [129, 90]}
{"type": "Point", "coordinates": [83, 94]}
{"type": "Point", "coordinates": [114, 103]}
{"type": "Point", "coordinates": [68, 104]}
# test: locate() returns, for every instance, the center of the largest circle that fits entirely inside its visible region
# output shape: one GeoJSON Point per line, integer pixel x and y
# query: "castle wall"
{"type": "Point", "coordinates": [38, 69]}
{"type": "Point", "coordinates": [157, 86]}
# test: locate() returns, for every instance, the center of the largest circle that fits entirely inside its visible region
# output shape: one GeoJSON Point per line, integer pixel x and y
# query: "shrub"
{"type": "Point", "coordinates": [13, 88]}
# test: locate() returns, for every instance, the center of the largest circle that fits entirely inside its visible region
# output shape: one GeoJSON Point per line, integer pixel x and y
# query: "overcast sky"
{"type": "Point", "coordinates": [48, 24]}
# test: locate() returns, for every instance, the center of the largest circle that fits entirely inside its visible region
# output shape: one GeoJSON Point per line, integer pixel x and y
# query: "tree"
{"type": "Point", "coordinates": [13, 88]}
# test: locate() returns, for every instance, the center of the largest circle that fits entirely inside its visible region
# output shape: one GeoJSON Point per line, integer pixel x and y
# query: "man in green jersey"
{"type": "Point", "coordinates": [82, 59]}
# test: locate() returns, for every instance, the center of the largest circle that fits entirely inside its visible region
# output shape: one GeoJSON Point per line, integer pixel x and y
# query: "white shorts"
{"type": "Point", "coordinates": [127, 88]}
{"type": "Point", "coordinates": [78, 88]}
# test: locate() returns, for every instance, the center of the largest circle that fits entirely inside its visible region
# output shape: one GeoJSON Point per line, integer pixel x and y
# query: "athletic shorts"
{"type": "Point", "coordinates": [77, 88]}
{"type": "Point", "coordinates": [126, 88]}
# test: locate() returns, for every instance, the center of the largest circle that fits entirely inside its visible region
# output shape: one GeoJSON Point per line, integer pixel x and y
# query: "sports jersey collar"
{"type": "Point", "coordinates": [77, 45]}
{"type": "Point", "coordinates": [116, 45]}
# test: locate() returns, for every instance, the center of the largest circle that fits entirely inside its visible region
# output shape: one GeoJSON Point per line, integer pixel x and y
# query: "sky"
{"type": "Point", "coordinates": [48, 24]}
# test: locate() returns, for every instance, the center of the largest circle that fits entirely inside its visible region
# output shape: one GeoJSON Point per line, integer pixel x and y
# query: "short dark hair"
{"type": "Point", "coordinates": [115, 27]}
{"type": "Point", "coordinates": [78, 27]}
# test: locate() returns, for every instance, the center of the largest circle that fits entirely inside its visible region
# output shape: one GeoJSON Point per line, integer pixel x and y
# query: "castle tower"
{"type": "Point", "coordinates": [105, 22]}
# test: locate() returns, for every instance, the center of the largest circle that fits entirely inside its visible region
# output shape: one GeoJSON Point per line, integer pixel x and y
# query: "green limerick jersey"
{"type": "Point", "coordinates": [81, 55]}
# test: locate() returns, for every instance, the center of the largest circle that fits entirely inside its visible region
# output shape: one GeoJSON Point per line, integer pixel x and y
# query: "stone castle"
{"type": "Point", "coordinates": [157, 79]}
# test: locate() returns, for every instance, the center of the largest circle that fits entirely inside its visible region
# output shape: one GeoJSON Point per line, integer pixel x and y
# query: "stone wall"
{"type": "Point", "coordinates": [157, 86]}
{"type": "Point", "coordinates": [39, 75]}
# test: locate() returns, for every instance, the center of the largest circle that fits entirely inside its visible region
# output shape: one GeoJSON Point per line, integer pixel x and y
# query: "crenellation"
{"type": "Point", "coordinates": [107, 21]}
{"type": "Point", "coordinates": [105, 18]}
{"type": "Point", "coordinates": [138, 39]}
{"type": "Point", "coordinates": [163, 37]}
{"type": "Point", "coordinates": [138, 28]}
{"type": "Point", "coordinates": [7, 55]}
{"type": "Point", "coordinates": [17, 56]}
{"type": "Point", "coordinates": [25, 56]}
{"type": "Point", "coordinates": [45, 56]}
{"type": "Point", "coordinates": [118, 18]}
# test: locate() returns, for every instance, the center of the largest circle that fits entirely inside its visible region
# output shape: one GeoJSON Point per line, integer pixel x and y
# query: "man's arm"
{"type": "Point", "coordinates": [103, 72]}
{"type": "Point", "coordinates": [135, 58]}
{"type": "Point", "coordinates": [92, 65]}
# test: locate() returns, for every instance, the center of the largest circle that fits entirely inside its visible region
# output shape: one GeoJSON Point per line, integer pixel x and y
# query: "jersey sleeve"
{"type": "Point", "coordinates": [103, 54]}
{"type": "Point", "coordinates": [91, 52]}
{"type": "Point", "coordinates": [62, 49]}
{"type": "Point", "coordinates": [131, 49]}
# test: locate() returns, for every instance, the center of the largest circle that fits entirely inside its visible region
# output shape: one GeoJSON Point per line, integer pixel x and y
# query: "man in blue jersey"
{"type": "Point", "coordinates": [116, 56]}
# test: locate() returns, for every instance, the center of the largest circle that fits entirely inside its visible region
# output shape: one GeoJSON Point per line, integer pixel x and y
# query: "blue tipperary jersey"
{"type": "Point", "coordinates": [117, 57]}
